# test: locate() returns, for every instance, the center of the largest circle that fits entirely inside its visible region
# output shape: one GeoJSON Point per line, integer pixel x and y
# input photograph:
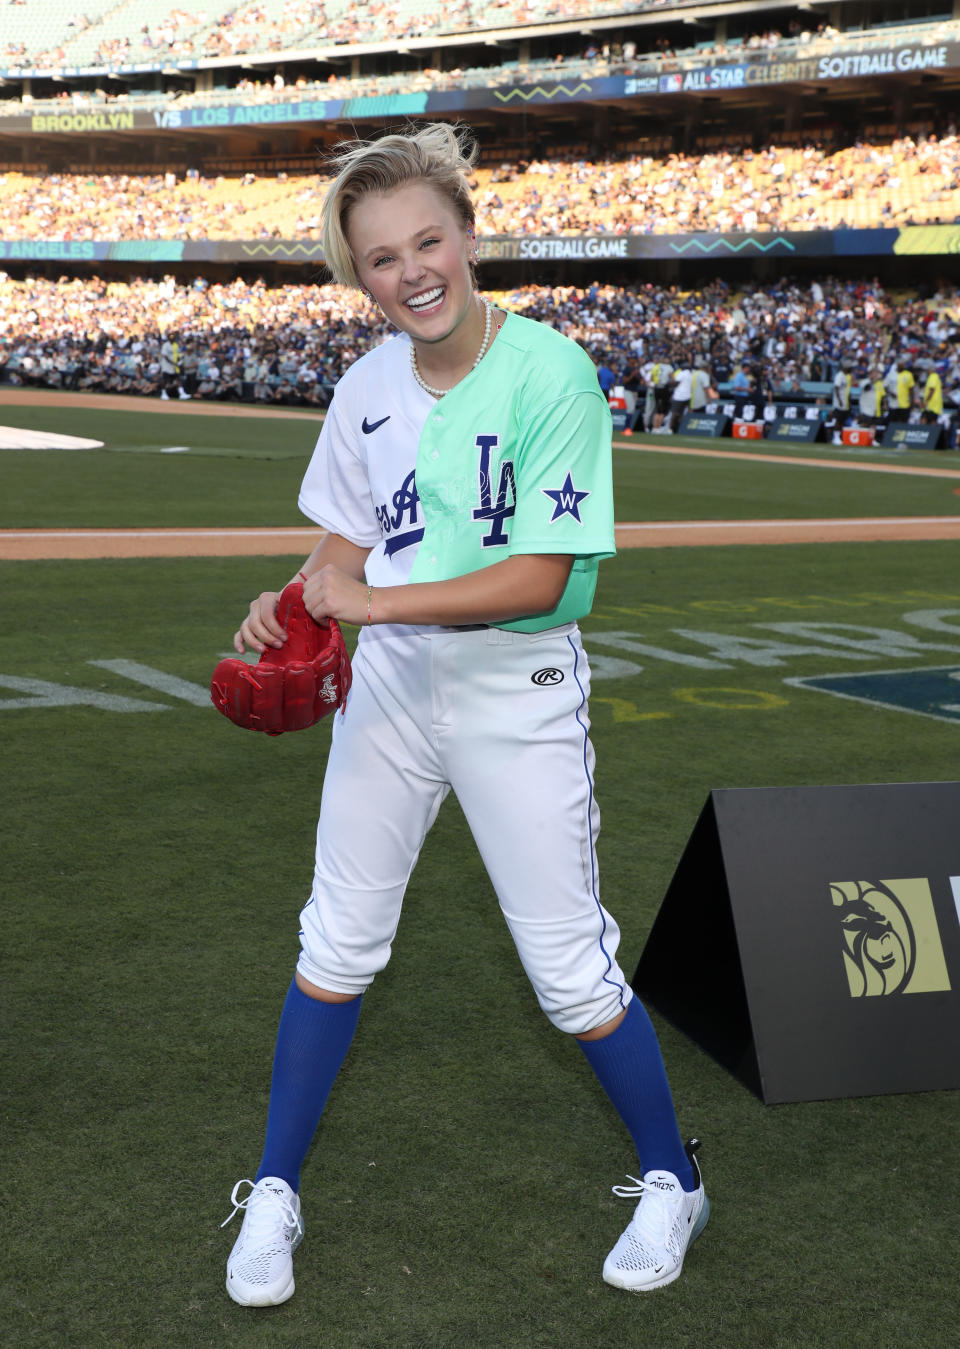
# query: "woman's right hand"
{"type": "Point", "coordinates": [260, 628]}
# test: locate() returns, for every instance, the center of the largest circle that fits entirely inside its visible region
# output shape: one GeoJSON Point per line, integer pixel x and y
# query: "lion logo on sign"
{"type": "Point", "coordinates": [880, 947]}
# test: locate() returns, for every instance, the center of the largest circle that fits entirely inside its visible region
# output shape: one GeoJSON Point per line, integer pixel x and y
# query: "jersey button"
{"type": "Point", "coordinates": [435, 455]}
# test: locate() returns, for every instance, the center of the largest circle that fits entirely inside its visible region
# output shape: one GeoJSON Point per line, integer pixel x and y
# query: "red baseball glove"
{"type": "Point", "coordinates": [292, 686]}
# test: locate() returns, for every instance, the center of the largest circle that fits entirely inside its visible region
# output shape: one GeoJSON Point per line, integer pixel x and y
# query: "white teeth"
{"type": "Point", "coordinates": [427, 298]}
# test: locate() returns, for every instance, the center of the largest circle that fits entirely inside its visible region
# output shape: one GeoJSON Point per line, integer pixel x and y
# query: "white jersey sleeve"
{"type": "Point", "coordinates": [336, 487]}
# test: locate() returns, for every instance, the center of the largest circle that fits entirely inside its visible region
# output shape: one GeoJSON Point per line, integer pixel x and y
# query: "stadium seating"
{"type": "Point", "coordinates": [912, 180]}
{"type": "Point", "coordinates": [260, 188]}
{"type": "Point", "coordinates": [105, 335]}
{"type": "Point", "coordinates": [115, 34]}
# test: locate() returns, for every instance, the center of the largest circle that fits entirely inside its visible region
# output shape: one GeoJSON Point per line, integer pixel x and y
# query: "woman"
{"type": "Point", "coordinates": [463, 477]}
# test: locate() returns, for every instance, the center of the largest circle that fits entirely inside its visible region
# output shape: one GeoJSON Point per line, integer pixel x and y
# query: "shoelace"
{"type": "Point", "coordinates": [649, 1217]}
{"type": "Point", "coordinates": [266, 1200]}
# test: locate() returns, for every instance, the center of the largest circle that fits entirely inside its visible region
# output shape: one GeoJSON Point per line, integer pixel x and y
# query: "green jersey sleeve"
{"type": "Point", "coordinates": [564, 479]}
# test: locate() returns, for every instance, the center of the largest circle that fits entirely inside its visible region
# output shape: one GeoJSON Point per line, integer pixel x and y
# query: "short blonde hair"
{"type": "Point", "coordinates": [437, 154]}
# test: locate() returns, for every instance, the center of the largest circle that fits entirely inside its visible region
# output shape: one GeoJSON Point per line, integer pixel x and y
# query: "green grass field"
{"type": "Point", "coordinates": [458, 1194]}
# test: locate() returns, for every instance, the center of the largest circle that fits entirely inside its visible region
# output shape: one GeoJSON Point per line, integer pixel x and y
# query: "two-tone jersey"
{"type": "Point", "coordinates": [516, 459]}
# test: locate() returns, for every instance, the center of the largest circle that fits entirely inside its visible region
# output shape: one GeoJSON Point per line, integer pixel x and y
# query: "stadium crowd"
{"type": "Point", "coordinates": [915, 179]}
{"type": "Point", "coordinates": [908, 180]}
{"type": "Point", "coordinates": [241, 341]}
{"type": "Point", "coordinates": [628, 53]}
{"type": "Point", "coordinates": [285, 25]}
{"type": "Point", "coordinates": [112, 39]}
{"type": "Point", "coordinates": [247, 342]}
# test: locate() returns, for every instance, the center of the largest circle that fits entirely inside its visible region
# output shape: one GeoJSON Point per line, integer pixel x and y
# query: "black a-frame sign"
{"type": "Point", "coordinates": [810, 939]}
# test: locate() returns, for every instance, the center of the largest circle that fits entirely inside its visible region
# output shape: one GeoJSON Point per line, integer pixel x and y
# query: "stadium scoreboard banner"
{"type": "Point", "coordinates": [163, 250]}
{"type": "Point", "coordinates": [749, 72]}
{"type": "Point", "coordinates": [915, 239]}
{"type": "Point", "coordinates": [839, 243]}
{"type": "Point", "coordinates": [586, 247]}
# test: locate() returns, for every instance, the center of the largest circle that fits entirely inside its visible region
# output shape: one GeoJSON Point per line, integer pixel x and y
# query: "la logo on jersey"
{"type": "Point", "coordinates": [405, 503]}
{"type": "Point", "coordinates": [496, 511]}
{"type": "Point", "coordinates": [566, 500]}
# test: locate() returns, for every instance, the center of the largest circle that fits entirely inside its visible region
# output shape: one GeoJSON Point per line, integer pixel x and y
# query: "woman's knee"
{"type": "Point", "coordinates": [321, 994]}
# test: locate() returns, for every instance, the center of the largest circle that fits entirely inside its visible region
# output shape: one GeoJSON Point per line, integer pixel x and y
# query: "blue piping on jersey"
{"type": "Point", "coordinates": [398, 541]}
{"type": "Point", "coordinates": [593, 869]}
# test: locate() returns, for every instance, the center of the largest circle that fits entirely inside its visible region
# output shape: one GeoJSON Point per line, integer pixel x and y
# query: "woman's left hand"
{"type": "Point", "coordinates": [332, 593]}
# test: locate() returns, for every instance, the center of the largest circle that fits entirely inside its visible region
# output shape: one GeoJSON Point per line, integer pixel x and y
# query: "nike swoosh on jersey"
{"type": "Point", "coordinates": [366, 427]}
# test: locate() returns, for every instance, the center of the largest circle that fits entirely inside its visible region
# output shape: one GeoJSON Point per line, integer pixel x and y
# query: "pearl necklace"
{"type": "Point", "coordinates": [487, 327]}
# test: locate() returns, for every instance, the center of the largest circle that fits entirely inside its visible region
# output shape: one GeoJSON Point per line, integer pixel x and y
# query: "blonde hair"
{"type": "Point", "coordinates": [437, 154]}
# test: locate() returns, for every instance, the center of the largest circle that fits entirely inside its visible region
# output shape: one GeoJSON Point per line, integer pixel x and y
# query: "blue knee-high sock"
{"type": "Point", "coordinates": [312, 1042]}
{"type": "Point", "coordinates": [629, 1067]}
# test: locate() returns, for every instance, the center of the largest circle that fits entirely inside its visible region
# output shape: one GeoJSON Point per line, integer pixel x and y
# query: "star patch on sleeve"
{"type": "Point", "coordinates": [566, 500]}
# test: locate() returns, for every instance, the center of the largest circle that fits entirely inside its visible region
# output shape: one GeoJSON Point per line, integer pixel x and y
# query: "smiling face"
{"type": "Point", "coordinates": [412, 253]}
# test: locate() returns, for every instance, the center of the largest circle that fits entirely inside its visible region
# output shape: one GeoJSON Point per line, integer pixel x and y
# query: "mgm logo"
{"type": "Point", "coordinates": [890, 939]}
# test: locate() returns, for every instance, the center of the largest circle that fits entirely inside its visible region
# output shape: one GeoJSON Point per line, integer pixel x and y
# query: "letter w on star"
{"type": "Point", "coordinates": [566, 500]}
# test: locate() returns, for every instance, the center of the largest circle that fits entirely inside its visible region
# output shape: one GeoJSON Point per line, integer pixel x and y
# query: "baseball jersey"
{"type": "Point", "coordinates": [872, 394]}
{"type": "Point", "coordinates": [905, 383]}
{"type": "Point", "coordinates": [516, 459]}
{"type": "Point", "coordinates": [699, 384]}
{"type": "Point", "coordinates": [933, 393]}
{"type": "Point", "coordinates": [841, 391]}
{"type": "Point", "coordinates": [683, 387]}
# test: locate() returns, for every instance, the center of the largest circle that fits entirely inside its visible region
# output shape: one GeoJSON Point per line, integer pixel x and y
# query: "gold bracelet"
{"type": "Point", "coordinates": [369, 601]}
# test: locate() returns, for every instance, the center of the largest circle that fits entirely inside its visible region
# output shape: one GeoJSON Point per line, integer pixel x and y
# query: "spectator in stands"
{"type": "Point", "coordinates": [605, 376]}
{"type": "Point", "coordinates": [209, 386]}
{"type": "Point", "coordinates": [250, 368]}
{"type": "Point", "coordinates": [791, 386]}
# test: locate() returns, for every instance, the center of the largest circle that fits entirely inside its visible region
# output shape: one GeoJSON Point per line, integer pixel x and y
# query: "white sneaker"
{"type": "Point", "coordinates": [164, 395]}
{"type": "Point", "coordinates": [260, 1268]}
{"type": "Point", "coordinates": [665, 1223]}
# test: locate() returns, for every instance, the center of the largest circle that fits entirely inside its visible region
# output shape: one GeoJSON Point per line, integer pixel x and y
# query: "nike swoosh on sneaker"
{"type": "Point", "coordinates": [366, 427]}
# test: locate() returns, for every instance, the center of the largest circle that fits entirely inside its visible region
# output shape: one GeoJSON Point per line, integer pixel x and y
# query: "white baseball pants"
{"type": "Point", "coordinates": [501, 718]}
